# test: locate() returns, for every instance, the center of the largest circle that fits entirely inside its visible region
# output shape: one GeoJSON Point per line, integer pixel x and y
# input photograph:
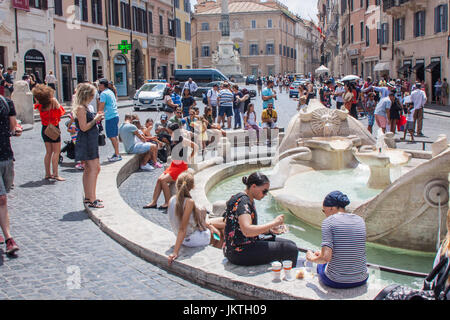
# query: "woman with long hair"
{"type": "Point", "coordinates": [243, 245]}
{"type": "Point", "coordinates": [170, 106]}
{"type": "Point", "coordinates": [188, 221]}
{"type": "Point", "coordinates": [188, 101]}
{"type": "Point", "coordinates": [86, 148]}
{"type": "Point", "coordinates": [50, 112]}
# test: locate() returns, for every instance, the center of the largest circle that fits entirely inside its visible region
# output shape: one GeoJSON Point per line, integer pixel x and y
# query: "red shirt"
{"type": "Point", "coordinates": [52, 116]}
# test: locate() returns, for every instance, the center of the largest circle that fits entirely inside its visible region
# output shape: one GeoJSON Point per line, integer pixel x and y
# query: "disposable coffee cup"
{"type": "Point", "coordinates": [276, 270]}
{"type": "Point", "coordinates": [287, 267]}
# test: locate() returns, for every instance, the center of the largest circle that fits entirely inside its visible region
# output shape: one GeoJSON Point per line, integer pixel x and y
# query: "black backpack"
{"type": "Point", "coordinates": [205, 98]}
{"type": "Point", "coordinates": [434, 286]}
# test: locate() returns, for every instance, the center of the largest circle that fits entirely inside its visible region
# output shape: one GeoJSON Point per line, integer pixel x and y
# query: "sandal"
{"type": "Point", "coordinates": [49, 177]}
{"type": "Point", "coordinates": [95, 204]}
{"type": "Point", "coordinates": [149, 207]}
{"type": "Point", "coordinates": [86, 200]}
{"type": "Point", "coordinates": [162, 208]}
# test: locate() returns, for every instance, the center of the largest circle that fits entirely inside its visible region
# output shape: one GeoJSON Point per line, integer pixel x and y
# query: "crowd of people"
{"type": "Point", "coordinates": [341, 262]}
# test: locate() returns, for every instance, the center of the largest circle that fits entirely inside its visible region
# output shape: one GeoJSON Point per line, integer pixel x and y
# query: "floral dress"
{"type": "Point", "coordinates": [234, 238]}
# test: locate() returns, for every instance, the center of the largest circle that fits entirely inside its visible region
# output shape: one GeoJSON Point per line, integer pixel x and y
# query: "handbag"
{"type": "Point", "coordinates": [101, 136]}
{"type": "Point", "coordinates": [52, 132]}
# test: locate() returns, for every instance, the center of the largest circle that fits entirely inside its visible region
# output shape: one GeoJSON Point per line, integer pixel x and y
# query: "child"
{"type": "Point", "coordinates": [250, 120]}
{"type": "Point", "coordinates": [409, 127]}
{"type": "Point", "coordinates": [370, 108]}
{"type": "Point", "coordinates": [72, 129]}
{"type": "Point", "coordinates": [302, 103]}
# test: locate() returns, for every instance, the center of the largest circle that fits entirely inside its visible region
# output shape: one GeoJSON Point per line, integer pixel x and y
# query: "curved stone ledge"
{"type": "Point", "coordinates": [204, 266]}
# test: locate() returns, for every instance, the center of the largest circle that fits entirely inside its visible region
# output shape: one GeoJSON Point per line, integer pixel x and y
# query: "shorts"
{"type": "Point", "coordinates": [272, 125]}
{"type": "Point", "coordinates": [112, 127]}
{"type": "Point", "coordinates": [371, 119]}
{"type": "Point", "coordinates": [381, 121]}
{"type": "Point", "coordinates": [198, 239]}
{"type": "Point", "coordinates": [410, 126]}
{"type": "Point", "coordinates": [142, 147]}
{"type": "Point", "coordinates": [226, 110]}
{"type": "Point", "coordinates": [6, 176]}
{"type": "Point", "coordinates": [47, 138]}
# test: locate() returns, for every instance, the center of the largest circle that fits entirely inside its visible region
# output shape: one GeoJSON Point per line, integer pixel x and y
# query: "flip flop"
{"type": "Point", "coordinates": [95, 204]}
{"type": "Point", "coordinates": [162, 208]}
{"type": "Point", "coordinates": [86, 200]}
{"type": "Point", "coordinates": [149, 207]}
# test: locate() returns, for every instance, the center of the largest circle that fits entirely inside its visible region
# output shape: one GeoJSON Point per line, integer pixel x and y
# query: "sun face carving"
{"type": "Point", "coordinates": [325, 122]}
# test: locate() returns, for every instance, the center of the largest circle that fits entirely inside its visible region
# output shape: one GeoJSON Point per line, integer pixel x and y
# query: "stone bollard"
{"type": "Point", "coordinates": [23, 102]}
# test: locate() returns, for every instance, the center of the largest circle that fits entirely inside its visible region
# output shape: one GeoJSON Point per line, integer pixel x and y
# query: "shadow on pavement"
{"type": "Point", "coordinates": [75, 216]}
{"type": "Point", "coordinates": [38, 183]}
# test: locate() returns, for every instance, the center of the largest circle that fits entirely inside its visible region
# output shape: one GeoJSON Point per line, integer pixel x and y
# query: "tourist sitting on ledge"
{"type": "Point", "coordinates": [177, 166]}
{"type": "Point", "coordinates": [189, 222]}
{"type": "Point", "coordinates": [246, 242]}
{"type": "Point", "coordinates": [342, 260]}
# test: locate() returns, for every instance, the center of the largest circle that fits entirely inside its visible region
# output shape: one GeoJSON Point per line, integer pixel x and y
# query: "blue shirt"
{"type": "Point", "coordinates": [226, 98]}
{"type": "Point", "coordinates": [176, 99]}
{"type": "Point", "coordinates": [126, 133]}
{"type": "Point", "coordinates": [267, 92]}
{"type": "Point", "coordinates": [108, 97]}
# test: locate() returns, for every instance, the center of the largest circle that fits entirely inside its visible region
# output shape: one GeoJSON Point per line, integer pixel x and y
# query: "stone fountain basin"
{"type": "Point", "coordinates": [330, 143]}
{"type": "Point", "coordinates": [385, 159]}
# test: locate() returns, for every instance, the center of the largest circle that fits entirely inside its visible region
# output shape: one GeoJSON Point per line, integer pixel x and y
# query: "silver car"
{"type": "Point", "coordinates": [150, 96]}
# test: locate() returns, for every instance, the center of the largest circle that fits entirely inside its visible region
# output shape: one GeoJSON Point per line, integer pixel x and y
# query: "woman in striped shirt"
{"type": "Point", "coordinates": [342, 260]}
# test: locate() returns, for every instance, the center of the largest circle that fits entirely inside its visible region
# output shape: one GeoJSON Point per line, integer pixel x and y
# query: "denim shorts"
{"type": "Point", "coordinates": [226, 110]}
{"type": "Point", "coordinates": [6, 176]}
{"type": "Point", "coordinates": [141, 147]}
{"type": "Point", "coordinates": [112, 127]}
{"type": "Point", "coordinates": [371, 119]}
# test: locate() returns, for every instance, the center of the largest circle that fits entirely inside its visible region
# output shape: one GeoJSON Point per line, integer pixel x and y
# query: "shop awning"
{"type": "Point", "coordinates": [432, 65]}
{"type": "Point", "coordinates": [418, 65]}
{"type": "Point", "coordinates": [382, 66]}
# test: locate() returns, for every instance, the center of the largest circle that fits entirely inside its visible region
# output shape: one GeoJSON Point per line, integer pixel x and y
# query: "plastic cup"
{"type": "Point", "coordinates": [287, 267]}
{"type": "Point", "coordinates": [276, 270]}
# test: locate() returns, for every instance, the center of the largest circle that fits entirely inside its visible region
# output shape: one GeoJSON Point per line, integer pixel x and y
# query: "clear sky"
{"type": "Point", "coordinates": [304, 8]}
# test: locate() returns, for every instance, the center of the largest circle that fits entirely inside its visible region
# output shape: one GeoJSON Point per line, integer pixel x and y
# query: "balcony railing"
{"type": "Point", "coordinates": [388, 4]}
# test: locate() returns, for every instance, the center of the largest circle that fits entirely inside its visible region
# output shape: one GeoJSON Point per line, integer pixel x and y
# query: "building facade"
{"type": "Point", "coordinates": [308, 47]}
{"type": "Point", "coordinates": [183, 51]}
{"type": "Point", "coordinates": [329, 19]}
{"type": "Point", "coordinates": [263, 32]}
{"type": "Point", "coordinates": [81, 44]}
{"type": "Point", "coordinates": [418, 49]}
{"type": "Point", "coordinates": [26, 37]}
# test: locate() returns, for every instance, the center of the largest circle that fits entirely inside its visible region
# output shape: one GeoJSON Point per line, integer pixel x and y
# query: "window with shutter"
{"type": "Point", "coordinates": [58, 8]}
{"type": "Point", "coordinates": [150, 22]}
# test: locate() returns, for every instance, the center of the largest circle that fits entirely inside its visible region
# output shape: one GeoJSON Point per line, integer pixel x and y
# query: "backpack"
{"type": "Point", "coordinates": [434, 286]}
{"type": "Point", "coordinates": [205, 97]}
{"type": "Point", "coordinates": [162, 154]}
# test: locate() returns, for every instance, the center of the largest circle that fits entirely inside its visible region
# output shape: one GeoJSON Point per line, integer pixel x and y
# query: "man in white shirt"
{"type": "Point", "coordinates": [212, 95]}
{"type": "Point", "coordinates": [418, 98]}
{"type": "Point", "coordinates": [191, 85]}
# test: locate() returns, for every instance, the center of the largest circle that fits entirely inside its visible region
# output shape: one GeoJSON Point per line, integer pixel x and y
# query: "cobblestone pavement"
{"type": "Point", "coordinates": [63, 254]}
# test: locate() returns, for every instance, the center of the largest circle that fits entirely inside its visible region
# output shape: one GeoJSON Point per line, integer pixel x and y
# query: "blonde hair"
{"type": "Point", "coordinates": [184, 184]}
{"type": "Point", "coordinates": [85, 92]}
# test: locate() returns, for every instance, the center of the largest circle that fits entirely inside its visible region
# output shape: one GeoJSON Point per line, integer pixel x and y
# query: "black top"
{"type": "Point", "coordinates": [6, 111]}
{"type": "Point", "coordinates": [234, 238]}
{"type": "Point", "coordinates": [395, 110]}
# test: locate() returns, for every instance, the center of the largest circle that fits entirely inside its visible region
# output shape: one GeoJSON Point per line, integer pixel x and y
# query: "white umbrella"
{"type": "Point", "coordinates": [350, 78]}
{"type": "Point", "coordinates": [322, 69]}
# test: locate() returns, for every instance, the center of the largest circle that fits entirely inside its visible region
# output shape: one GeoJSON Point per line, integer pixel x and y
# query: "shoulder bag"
{"type": "Point", "coordinates": [101, 136]}
{"type": "Point", "coordinates": [52, 131]}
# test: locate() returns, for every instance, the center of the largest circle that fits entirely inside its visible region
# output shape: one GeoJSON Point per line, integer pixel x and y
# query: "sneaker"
{"type": "Point", "coordinates": [79, 166]}
{"type": "Point", "coordinates": [157, 165]}
{"type": "Point", "coordinates": [147, 167]}
{"type": "Point", "coordinates": [115, 158]}
{"type": "Point", "coordinates": [11, 246]}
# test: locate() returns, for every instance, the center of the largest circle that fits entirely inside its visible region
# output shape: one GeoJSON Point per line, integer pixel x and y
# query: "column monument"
{"type": "Point", "coordinates": [227, 58]}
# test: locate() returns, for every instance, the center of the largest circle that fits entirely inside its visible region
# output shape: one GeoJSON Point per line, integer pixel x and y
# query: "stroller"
{"type": "Point", "coordinates": [69, 148]}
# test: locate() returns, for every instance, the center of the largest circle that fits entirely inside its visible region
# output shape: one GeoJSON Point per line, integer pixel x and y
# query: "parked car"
{"type": "Point", "coordinates": [293, 89]}
{"type": "Point", "coordinates": [150, 95]}
{"type": "Point", "coordinates": [251, 79]}
{"type": "Point", "coordinates": [203, 89]}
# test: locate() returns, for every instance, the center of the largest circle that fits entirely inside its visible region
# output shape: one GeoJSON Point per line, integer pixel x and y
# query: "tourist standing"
{"type": "Point", "coordinates": [418, 98]}
{"type": "Point", "coordinates": [339, 94]}
{"type": "Point", "coordinates": [342, 262]}
{"type": "Point", "coordinates": [50, 112]}
{"type": "Point", "coordinates": [86, 148]}
{"type": "Point", "coordinates": [191, 85]}
{"type": "Point", "coordinates": [259, 84]}
{"type": "Point", "coordinates": [50, 80]}
{"type": "Point", "coordinates": [394, 113]}
{"type": "Point", "coordinates": [268, 95]}
{"type": "Point", "coordinates": [444, 92]}
{"type": "Point", "coordinates": [225, 101]}
{"type": "Point", "coordinates": [242, 243]}
{"type": "Point", "coordinates": [438, 91]}
{"type": "Point", "coordinates": [108, 105]}
{"type": "Point", "coordinates": [212, 96]}
{"type": "Point", "coordinates": [8, 128]}
{"type": "Point", "coordinates": [238, 105]}
{"type": "Point", "coordinates": [187, 101]}
{"type": "Point", "coordinates": [9, 81]}
{"type": "Point", "coordinates": [382, 112]}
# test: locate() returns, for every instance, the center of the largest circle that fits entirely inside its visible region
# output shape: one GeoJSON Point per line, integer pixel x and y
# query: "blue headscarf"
{"type": "Point", "coordinates": [336, 199]}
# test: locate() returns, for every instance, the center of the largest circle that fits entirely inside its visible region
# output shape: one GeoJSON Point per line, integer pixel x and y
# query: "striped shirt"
{"type": "Point", "coordinates": [226, 98]}
{"type": "Point", "coordinates": [345, 234]}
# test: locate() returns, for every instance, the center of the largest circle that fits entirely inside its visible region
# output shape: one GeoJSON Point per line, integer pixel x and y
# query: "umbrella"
{"type": "Point", "coordinates": [322, 69]}
{"type": "Point", "coordinates": [349, 78]}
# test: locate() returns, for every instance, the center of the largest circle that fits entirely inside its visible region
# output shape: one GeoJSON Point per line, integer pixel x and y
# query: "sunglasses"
{"type": "Point", "coordinates": [265, 191]}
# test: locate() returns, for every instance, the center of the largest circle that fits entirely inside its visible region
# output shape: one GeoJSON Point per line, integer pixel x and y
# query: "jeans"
{"type": "Point", "coordinates": [264, 252]}
{"type": "Point", "coordinates": [237, 117]}
{"type": "Point", "coordinates": [331, 283]}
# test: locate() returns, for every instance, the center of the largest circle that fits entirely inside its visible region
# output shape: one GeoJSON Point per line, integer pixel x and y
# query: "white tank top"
{"type": "Point", "coordinates": [175, 222]}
